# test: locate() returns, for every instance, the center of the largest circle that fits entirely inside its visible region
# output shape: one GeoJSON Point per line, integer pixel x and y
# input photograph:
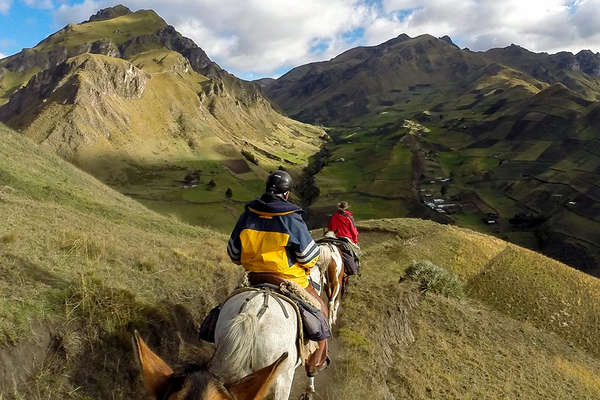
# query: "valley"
{"type": "Point", "coordinates": [459, 137]}
{"type": "Point", "coordinates": [128, 154]}
{"type": "Point", "coordinates": [128, 99]}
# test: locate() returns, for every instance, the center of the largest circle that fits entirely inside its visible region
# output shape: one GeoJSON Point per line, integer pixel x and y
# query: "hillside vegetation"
{"type": "Point", "coordinates": [526, 328]}
{"type": "Point", "coordinates": [81, 266]}
{"type": "Point", "coordinates": [505, 140]}
{"type": "Point", "coordinates": [131, 101]}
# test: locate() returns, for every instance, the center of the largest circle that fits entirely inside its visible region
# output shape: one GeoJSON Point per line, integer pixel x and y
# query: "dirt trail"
{"type": "Point", "coordinates": [324, 391]}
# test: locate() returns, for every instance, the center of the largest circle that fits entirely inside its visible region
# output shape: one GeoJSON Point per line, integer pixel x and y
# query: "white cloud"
{"type": "Point", "coordinates": [2, 56]}
{"type": "Point", "coordinates": [66, 14]}
{"type": "Point", "coordinates": [254, 35]}
{"type": "Point", "coordinates": [258, 37]}
{"type": "Point", "coordinates": [539, 25]}
{"type": "Point", "coordinates": [39, 3]}
{"type": "Point", "coordinates": [5, 6]}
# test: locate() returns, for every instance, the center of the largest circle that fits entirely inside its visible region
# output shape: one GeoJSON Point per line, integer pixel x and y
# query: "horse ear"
{"type": "Point", "coordinates": [256, 385]}
{"type": "Point", "coordinates": [155, 372]}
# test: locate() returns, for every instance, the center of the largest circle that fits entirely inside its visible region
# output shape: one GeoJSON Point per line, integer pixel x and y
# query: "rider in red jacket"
{"type": "Point", "coordinates": [342, 223]}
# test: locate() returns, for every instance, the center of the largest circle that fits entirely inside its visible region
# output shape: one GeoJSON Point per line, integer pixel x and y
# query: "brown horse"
{"type": "Point", "coordinates": [196, 382]}
{"type": "Point", "coordinates": [332, 265]}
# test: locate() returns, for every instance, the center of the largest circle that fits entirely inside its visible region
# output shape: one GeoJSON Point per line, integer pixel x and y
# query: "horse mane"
{"type": "Point", "coordinates": [237, 348]}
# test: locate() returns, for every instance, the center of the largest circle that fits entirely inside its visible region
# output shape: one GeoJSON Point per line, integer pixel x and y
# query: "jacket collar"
{"type": "Point", "coordinates": [272, 206]}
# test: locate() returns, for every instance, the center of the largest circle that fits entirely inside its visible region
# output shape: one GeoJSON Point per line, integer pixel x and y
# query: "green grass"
{"type": "Point", "coordinates": [89, 265]}
{"type": "Point", "coordinates": [159, 187]}
{"type": "Point", "coordinates": [143, 146]}
{"type": "Point", "coordinates": [12, 81]}
{"type": "Point", "coordinates": [530, 151]}
{"type": "Point", "coordinates": [118, 30]}
{"type": "Point", "coordinates": [500, 341]}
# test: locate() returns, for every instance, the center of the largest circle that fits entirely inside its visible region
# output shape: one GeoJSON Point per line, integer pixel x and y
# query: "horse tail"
{"type": "Point", "coordinates": [238, 344]}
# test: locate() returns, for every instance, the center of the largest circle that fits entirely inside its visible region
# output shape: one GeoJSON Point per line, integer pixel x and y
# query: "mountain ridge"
{"type": "Point", "coordinates": [130, 100]}
{"type": "Point", "coordinates": [504, 133]}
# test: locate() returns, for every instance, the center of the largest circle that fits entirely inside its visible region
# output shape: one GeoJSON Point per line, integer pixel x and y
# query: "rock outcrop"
{"type": "Point", "coordinates": [82, 76]}
{"type": "Point", "coordinates": [110, 13]}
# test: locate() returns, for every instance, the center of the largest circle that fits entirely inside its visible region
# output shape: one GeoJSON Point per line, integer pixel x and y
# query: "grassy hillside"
{"type": "Point", "coordinates": [525, 329]}
{"type": "Point", "coordinates": [16, 70]}
{"type": "Point", "coordinates": [140, 107]}
{"type": "Point", "coordinates": [81, 266]}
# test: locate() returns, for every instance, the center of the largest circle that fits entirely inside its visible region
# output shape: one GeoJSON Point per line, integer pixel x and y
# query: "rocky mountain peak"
{"type": "Point", "coordinates": [447, 39]}
{"type": "Point", "coordinates": [589, 62]}
{"type": "Point", "coordinates": [110, 13]}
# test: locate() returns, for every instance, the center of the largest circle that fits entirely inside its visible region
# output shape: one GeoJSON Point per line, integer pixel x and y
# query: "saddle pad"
{"type": "Point", "coordinates": [304, 346]}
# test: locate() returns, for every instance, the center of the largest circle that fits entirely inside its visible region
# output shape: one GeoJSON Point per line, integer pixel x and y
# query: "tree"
{"type": "Point", "coordinates": [228, 193]}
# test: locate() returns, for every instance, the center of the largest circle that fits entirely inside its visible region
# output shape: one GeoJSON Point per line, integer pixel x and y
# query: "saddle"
{"type": "Point", "coordinates": [305, 307]}
{"type": "Point", "coordinates": [350, 253]}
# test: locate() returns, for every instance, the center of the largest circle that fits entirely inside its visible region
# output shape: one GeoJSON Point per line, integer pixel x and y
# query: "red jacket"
{"type": "Point", "coordinates": [342, 223]}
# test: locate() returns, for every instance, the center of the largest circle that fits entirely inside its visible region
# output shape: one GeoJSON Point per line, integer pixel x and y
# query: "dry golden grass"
{"type": "Point", "coordinates": [90, 265]}
{"type": "Point", "coordinates": [505, 340]}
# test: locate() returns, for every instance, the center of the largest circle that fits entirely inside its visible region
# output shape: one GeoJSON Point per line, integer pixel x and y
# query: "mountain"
{"type": "Point", "coordinates": [127, 98]}
{"type": "Point", "coordinates": [264, 82]}
{"type": "Point", "coordinates": [579, 72]}
{"type": "Point", "coordinates": [365, 80]}
{"type": "Point", "coordinates": [83, 266]}
{"type": "Point", "coordinates": [505, 140]}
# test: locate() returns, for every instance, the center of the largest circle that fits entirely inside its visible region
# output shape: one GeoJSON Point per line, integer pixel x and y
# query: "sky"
{"type": "Point", "coordinates": [266, 38]}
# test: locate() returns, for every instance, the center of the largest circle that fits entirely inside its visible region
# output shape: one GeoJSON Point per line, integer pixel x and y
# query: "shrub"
{"type": "Point", "coordinates": [228, 193]}
{"type": "Point", "coordinates": [435, 279]}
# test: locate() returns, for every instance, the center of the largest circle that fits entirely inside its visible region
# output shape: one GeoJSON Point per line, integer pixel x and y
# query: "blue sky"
{"type": "Point", "coordinates": [24, 26]}
{"type": "Point", "coordinates": [258, 38]}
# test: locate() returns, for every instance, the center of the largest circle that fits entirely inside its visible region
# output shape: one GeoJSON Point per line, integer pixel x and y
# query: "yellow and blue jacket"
{"type": "Point", "coordinates": [270, 236]}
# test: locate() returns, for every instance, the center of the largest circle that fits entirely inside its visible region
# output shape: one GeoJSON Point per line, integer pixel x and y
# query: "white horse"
{"type": "Point", "coordinates": [256, 354]}
{"type": "Point", "coordinates": [249, 337]}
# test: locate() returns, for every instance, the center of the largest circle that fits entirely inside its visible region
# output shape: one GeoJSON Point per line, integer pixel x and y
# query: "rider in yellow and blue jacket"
{"type": "Point", "coordinates": [272, 242]}
{"type": "Point", "coordinates": [270, 236]}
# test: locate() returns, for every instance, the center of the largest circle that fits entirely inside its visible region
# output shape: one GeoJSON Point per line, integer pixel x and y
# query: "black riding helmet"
{"type": "Point", "coordinates": [279, 182]}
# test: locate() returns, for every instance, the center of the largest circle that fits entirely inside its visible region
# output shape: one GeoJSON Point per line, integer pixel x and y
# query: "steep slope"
{"type": "Point", "coordinates": [579, 72]}
{"type": "Point", "coordinates": [81, 266]}
{"type": "Point", "coordinates": [521, 331]}
{"type": "Point", "coordinates": [127, 98]}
